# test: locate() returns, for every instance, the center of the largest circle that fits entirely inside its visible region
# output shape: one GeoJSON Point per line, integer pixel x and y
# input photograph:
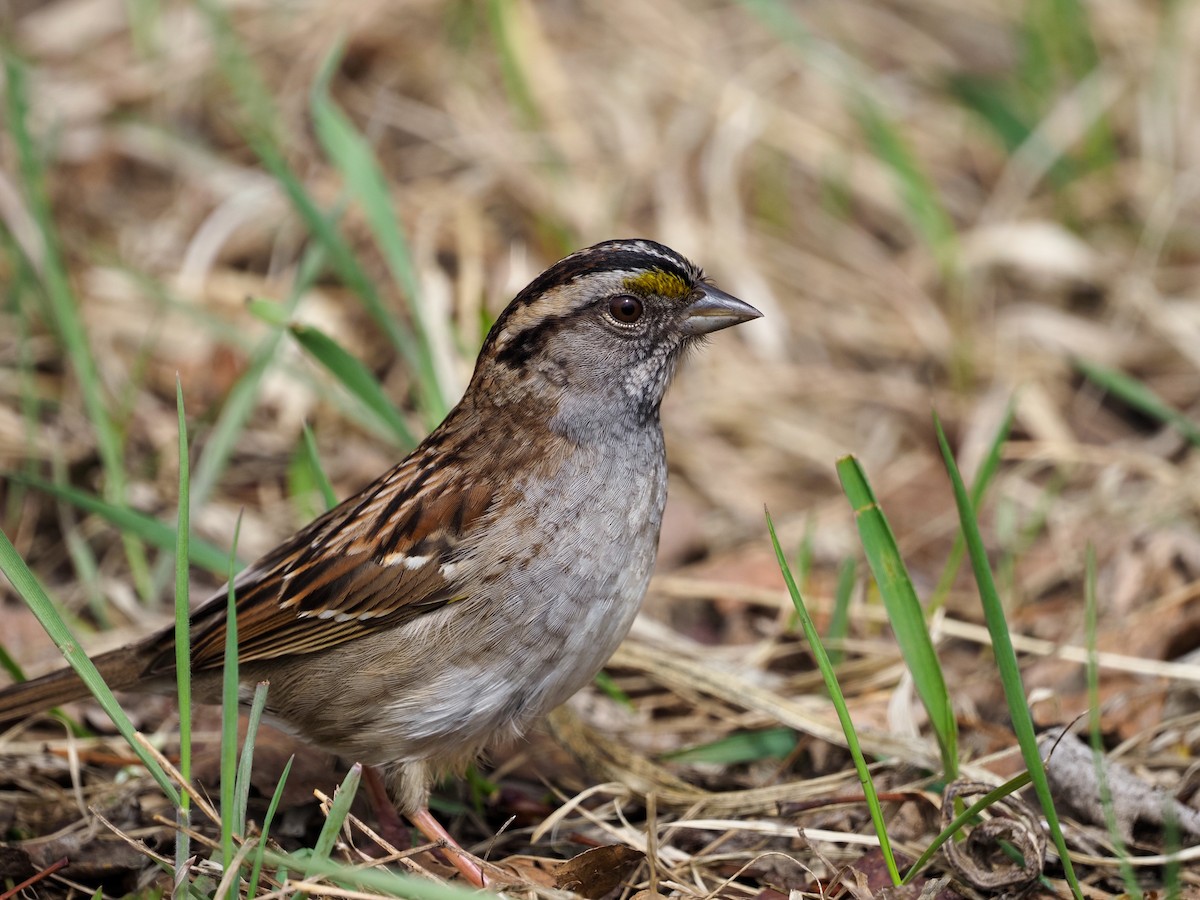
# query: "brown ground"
{"type": "Point", "coordinates": [514, 132]}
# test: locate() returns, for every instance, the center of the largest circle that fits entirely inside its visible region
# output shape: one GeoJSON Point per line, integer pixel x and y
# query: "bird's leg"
{"type": "Point", "coordinates": [392, 830]}
{"type": "Point", "coordinates": [459, 858]}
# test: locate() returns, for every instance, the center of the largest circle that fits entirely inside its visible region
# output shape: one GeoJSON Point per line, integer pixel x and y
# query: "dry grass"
{"type": "Point", "coordinates": [514, 132]}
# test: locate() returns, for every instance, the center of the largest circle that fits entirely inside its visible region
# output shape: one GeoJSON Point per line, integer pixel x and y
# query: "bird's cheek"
{"type": "Point", "coordinates": [554, 371]}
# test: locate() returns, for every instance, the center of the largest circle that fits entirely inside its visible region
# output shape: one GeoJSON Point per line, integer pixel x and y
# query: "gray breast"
{"type": "Point", "coordinates": [577, 560]}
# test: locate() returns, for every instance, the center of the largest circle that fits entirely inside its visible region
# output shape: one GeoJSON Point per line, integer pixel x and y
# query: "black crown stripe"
{"type": "Point", "coordinates": [610, 256]}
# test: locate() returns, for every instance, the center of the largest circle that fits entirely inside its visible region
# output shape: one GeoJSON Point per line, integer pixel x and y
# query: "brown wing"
{"type": "Point", "coordinates": [371, 563]}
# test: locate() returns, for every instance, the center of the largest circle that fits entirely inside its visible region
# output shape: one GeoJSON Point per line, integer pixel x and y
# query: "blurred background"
{"type": "Point", "coordinates": [951, 206]}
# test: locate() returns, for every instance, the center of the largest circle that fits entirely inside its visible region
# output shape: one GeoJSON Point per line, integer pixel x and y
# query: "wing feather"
{"type": "Point", "coordinates": [373, 562]}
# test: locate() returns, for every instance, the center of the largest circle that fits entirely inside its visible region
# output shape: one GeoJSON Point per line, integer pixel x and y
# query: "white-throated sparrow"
{"type": "Point", "coordinates": [489, 575]}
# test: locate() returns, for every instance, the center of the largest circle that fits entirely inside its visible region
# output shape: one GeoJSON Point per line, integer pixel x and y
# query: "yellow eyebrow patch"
{"type": "Point", "coordinates": [656, 281]}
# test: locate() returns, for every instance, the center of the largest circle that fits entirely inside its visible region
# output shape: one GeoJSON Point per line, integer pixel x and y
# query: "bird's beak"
{"type": "Point", "coordinates": [713, 310]}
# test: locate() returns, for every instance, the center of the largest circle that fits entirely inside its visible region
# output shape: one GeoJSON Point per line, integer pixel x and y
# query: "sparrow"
{"type": "Point", "coordinates": [488, 576]}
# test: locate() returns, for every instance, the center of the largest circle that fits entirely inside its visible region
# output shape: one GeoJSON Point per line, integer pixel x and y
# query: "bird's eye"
{"type": "Point", "coordinates": [626, 309]}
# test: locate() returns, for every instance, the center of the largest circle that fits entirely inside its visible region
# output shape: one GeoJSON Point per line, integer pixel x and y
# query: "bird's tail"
{"type": "Point", "coordinates": [120, 669]}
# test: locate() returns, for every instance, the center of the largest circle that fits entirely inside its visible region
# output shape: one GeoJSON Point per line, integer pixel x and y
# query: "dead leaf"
{"type": "Point", "coordinates": [593, 873]}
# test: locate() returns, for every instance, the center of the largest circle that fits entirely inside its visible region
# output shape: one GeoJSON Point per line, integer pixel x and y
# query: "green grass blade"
{"type": "Point", "coordinates": [903, 609]}
{"type": "Point", "coordinates": [64, 311]}
{"type": "Point", "coordinates": [246, 760]}
{"type": "Point", "coordinates": [240, 403]}
{"type": "Point", "coordinates": [1140, 397]}
{"type": "Point", "coordinates": [997, 102]}
{"type": "Point", "coordinates": [11, 666]}
{"type": "Point", "coordinates": [338, 811]}
{"type": "Point", "coordinates": [269, 311]}
{"type": "Point", "coordinates": [318, 471]}
{"type": "Point", "coordinates": [926, 213]}
{"type": "Point", "coordinates": [609, 687]}
{"type": "Point", "coordinates": [804, 555]}
{"type": "Point", "coordinates": [183, 661]}
{"type": "Point", "coordinates": [340, 256]}
{"type": "Point", "coordinates": [1006, 657]}
{"type": "Point", "coordinates": [158, 534]}
{"type": "Point", "coordinates": [983, 479]}
{"type": "Point", "coordinates": [804, 563]}
{"type": "Point", "coordinates": [235, 412]}
{"type": "Point", "coordinates": [87, 571]}
{"type": "Point", "coordinates": [839, 622]}
{"type": "Point", "coordinates": [500, 19]}
{"type": "Point", "coordinates": [229, 714]}
{"type": "Point", "coordinates": [354, 158]}
{"type": "Point", "coordinates": [257, 122]}
{"type": "Point", "coordinates": [839, 704]}
{"type": "Point", "coordinates": [355, 377]}
{"type": "Point", "coordinates": [347, 404]}
{"type": "Point", "coordinates": [251, 95]}
{"type": "Point", "coordinates": [260, 849]}
{"type": "Point", "coordinates": [378, 880]}
{"type": "Point", "coordinates": [243, 396]}
{"type": "Point", "coordinates": [1059, 52]}
{"type": "Point", "coordinates": [28, 588]}
{"type": "Point", "coordinates": [922, 204]}
{"type": "Point", "coordinates": [993, 105]}
{"type": "Point", "coordinates": [22, 294]}
{"type": "Point", "coordinates": [1091, 622]}
{"type": "Point", "coordinates": [963, 818]}
{"type": "Point", "coordinates": [744, 747]}
{"type": "Point", "coordinates": [1173, 844]}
